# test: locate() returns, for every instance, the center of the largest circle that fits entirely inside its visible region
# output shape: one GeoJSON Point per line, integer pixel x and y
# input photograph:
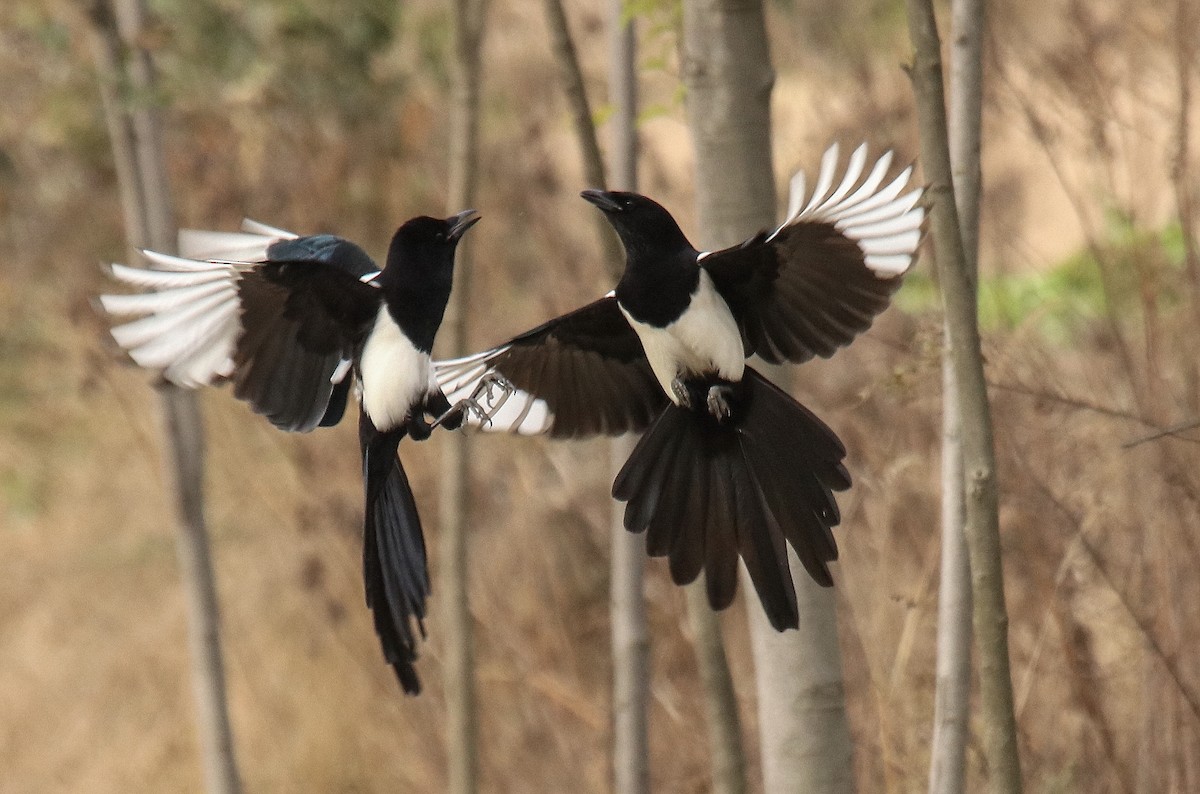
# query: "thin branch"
{"type": "Point", "coordinates": [454, 496]}
{"type": "Point", "coordinates": [136, 135]}
{"type": "Point", "coordinates": [982, 505]}
{"type": "Point", "coordinates": [1171, 431]}
{"type": "Point", "coordinates": [1169, 661]}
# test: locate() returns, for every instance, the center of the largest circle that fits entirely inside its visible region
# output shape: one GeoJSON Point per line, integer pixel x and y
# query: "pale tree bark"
{"type": "Point", "coordinates": [725, 746]}
{"type": "Point", "coordinates": [136, 132]}
{"type": "Point", "coordinates": [982, 527]}
{"type": "Point", "coordinates": [630, 636]}
{"type": "Point", "coordinates": [454, 503]}
{"type": "Point", "coordinates": [805, 736]}
{"type": "Point", "coordinates": [951, 712]}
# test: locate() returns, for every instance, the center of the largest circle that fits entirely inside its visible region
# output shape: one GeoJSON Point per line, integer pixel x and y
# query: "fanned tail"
{"type": "Point", "coordinates": [708, 492]}
{"type": "Point", "coordinates": [394, 567]}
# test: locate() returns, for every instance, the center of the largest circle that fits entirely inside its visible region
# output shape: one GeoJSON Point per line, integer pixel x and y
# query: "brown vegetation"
{"type": "Point", "coordinates": [1100, 539]}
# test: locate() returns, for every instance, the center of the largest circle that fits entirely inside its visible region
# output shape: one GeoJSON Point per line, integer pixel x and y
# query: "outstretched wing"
{"type": "Point", "coordinates": [820, 279]}
{"type": "Point", "coordinates": [283, 323]}
{"type": "Point", "coordinates": [579, 375]}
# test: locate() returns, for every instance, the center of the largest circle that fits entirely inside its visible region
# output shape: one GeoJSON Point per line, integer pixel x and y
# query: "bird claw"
{"type": "Point", "coordinates": [718, 401]}
{"type": "Point", "coordinates": [481, 397]}
{"type": "Point", "coordinates": [493, 380]}
{"type": "Point", "coordinates": [682, 396]}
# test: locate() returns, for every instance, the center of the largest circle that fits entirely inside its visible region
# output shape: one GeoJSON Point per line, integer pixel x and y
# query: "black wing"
{"type": "Point", "coordinates": [579, 375]}
{"type": "Point", "coordinates": [820, 279]}
{"type": "Point", "coordinates": [284, 330]}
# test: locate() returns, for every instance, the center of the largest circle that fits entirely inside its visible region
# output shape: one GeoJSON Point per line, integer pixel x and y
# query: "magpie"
{"type": "Point", "coordinates": [288, 320]}
{"type": "Point", "coordinates": [728, 464]}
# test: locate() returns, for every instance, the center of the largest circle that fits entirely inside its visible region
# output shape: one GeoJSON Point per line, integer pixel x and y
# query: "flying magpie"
{"type": "Point", "coordinates": [729, 464]}
{"type": "Point", "coordinates": [287, 320]}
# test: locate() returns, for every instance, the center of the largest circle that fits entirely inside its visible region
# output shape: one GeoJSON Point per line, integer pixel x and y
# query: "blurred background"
{"type": "Point", "coordinates": [322, 116]}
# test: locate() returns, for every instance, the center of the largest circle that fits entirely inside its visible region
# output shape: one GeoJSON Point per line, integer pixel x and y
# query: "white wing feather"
{"type": "Point", "coordinates": [188, 312]}
{"type": "Point", "coordinates": [885, 224]}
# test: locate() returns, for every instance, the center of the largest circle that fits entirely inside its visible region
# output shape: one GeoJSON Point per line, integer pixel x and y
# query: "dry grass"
{"type": "Point", "coordinates": [1100, 540]}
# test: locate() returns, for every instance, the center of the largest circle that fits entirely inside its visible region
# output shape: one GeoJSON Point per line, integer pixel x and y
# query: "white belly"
{"type": "Point", "coordinates": [704, 340]}
{"type": "Point", "coordinates": [395, 375]}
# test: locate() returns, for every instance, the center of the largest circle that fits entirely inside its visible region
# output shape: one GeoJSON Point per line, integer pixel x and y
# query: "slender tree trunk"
{"type": "Point", "coordinates": [727, 69]}
{"type": "Point", "coordinates": [982, 504]}
{"type": "Point", "coordinates": [951, 727]}
{"type": "Point", "coordinates": [565, 55]}
{"type": "Point", "coordinates": [145, 198]}
{"type": "Point", "coordinates": [725, 745]}
{"type": "Point", "coordinates": [454, 497]}
{"type": "Point", "coordinates": [630, 637]}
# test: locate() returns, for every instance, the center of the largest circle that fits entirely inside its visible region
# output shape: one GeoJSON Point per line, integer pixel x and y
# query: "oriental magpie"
{"type": "Point", "coordinates": [729, 464]}
{"type": "Point", "coordinates": [287, 319]}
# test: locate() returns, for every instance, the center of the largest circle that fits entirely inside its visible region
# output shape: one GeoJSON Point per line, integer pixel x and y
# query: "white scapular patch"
{"type": "Point", "coordinates": [704, 340]}
{"type": "Point", "coordinates": [395, 375]}
{"type": "Point", "coordinates": [885, 224]}
{"type": "Point", "coordinates": [508, 411]}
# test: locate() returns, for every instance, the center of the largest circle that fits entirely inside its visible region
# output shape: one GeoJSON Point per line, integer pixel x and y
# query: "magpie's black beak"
{"type": "Point", "coordinates": [602, 200]}
{"type": "Point", "coordinates": [461, 222]}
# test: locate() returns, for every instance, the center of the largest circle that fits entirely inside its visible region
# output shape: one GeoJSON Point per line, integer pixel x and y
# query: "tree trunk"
{"type": "Point", "coordinates": [951, 727]}
{"type": "Point", "coordinates": [982, 503]}
{"type": "Point", "coordinates": [454, 496]}
{"type": "Point", "coordinates": [725, 745]}
{"type": "Point", "coordinates": [630, 637]}
{"type": "Point", "coordinates": [145, 198]}
{"type": "Point", "coordinates": [805, 736]}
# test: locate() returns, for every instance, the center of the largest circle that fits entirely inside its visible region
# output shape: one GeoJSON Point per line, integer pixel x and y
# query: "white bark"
{"type": "Point", "coordinates": [805, 737]}
{"type": "Point", "coordinates": [630, 636]}
{"type": "Point", "coordinates": [951, 728]}
{"type": "Point", "coordinates": [982, 527]}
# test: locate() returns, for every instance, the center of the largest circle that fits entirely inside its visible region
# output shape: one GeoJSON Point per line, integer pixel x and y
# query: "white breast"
{"type": "Point", "coordinates": [395, 375]}
{"type": "Point", "coordinates": [704, 340]}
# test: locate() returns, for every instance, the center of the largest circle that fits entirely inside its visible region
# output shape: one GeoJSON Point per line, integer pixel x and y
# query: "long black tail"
{"type": "Point", "coordinates": [394, 568]}
{"type": "Point", "coordinates": [707, 492]}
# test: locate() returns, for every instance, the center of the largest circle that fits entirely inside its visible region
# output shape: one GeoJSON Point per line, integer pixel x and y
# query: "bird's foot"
{"type": "Point", "coordinates": [719, 397]}
{"type": "Point", "coordinates": [683, 397]}
{"type": "Point", "coordinates": [482, 402]}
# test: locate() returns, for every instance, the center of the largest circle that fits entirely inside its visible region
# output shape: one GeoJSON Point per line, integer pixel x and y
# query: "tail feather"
{"type": "Point", "coordinates": [720, 539]}
{"type": "Point", "coordinates": [686, 553]}
{"type": "Point", "coordinates": [675, 504]}
{"type": "Point", "coordinates": [709, 493]}
{"type": "Point", "coordinates": [763, 548]}
{"type": "Point", "coordinates": [395, 573]}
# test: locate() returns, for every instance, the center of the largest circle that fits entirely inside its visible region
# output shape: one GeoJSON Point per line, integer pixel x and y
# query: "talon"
{"type": "Point", "coordinates": [682, 396]}
{"type": "Point", "coordinates": [492, 380]}
{"type": "Point", "coordinates": [718, 402]}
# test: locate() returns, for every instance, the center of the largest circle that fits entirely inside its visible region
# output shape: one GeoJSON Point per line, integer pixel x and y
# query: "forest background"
{"type": "Point", "coordinates": [320, 116]}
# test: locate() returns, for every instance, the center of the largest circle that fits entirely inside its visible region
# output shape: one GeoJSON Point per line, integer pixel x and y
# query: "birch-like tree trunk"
{"type": "Point", "coordinates": [136, 134]}
{"type": "Point", "coordinates": [725, 746]}
{"type": "Point", "coordinates": [982, 527]}
{"type": "Point", "coordinates": [805, 736]}
{"type": "Point", "coordinates": [630, 636]}
{"type": "Point", "coordinates": [454, 496]}
{"type": "Point", "coordinates": [951, 711]}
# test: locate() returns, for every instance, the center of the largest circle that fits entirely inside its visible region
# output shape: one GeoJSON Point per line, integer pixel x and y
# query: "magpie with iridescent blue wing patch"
{"type": "Point", "coordinates": [730, 465]}
{"type": "Point", "coordinates": [292, 322]}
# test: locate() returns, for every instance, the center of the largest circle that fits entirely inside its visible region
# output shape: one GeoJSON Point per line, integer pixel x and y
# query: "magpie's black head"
{"type": "Point", "coordinates": [644, 226]}
{"type": "Point", "coordinates": [424, 247]}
